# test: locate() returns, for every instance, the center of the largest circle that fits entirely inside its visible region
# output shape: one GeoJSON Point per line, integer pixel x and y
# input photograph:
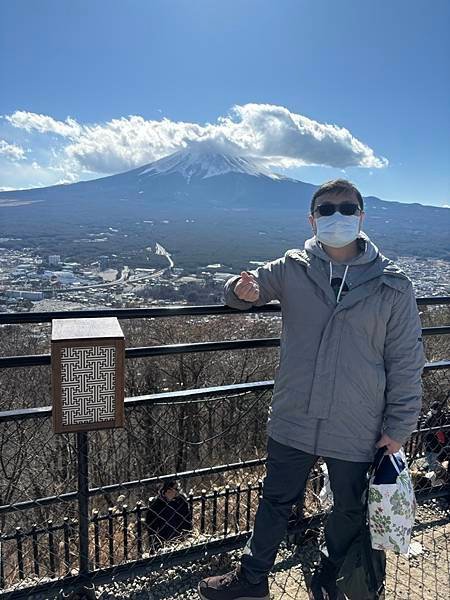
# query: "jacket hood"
{"type": "Point", "coordinates": [369, 264]}
{"type": "Point", "coordinates": [367, 250]}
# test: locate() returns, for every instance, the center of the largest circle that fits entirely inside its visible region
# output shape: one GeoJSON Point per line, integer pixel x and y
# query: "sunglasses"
{"type": "Point", "coordinates": [345, 208]}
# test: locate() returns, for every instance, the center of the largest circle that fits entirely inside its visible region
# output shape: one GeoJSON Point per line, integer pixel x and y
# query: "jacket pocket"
{"type": "Point", "coordinates": [358, 401]}
{"type": "Point", "coordinates": [289, 404]}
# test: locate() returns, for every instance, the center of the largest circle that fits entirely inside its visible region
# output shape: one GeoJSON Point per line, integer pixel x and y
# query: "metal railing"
{"type": "Point", "coordinates": [73, 545]}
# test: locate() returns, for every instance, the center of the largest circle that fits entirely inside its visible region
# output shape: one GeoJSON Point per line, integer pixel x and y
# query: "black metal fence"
{"type": "Point", "coordinates": [74, 506]}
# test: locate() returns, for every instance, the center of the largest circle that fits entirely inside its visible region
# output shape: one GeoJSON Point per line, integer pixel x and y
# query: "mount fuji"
{"type": "Point", "coordinates": [200, 164]}
{"type": "Point", "coordinates": [203, 206]}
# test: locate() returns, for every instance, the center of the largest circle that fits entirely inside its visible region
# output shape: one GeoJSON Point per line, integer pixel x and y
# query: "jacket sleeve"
{"type": "Point", "coordinates": [404, 359]}
{"type": "Point", "coordinates": [270, 280]}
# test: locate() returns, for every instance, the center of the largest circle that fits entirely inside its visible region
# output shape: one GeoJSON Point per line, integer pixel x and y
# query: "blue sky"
{"type": "Point", "coordinates": [316, 89]}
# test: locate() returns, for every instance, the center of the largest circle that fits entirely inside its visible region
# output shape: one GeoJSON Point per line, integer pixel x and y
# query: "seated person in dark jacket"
{"type": "Point", "coordinates": [168, 515]}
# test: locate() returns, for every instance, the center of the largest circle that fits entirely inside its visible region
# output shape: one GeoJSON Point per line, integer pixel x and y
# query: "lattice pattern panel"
{"type": "Point", "coordinates": [88, 383]}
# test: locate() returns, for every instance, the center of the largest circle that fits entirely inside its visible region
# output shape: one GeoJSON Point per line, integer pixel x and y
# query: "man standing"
{"type": "Point", "coordinates": [348, 382]}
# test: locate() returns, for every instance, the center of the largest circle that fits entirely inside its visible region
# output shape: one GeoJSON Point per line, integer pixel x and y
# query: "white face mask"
{"type": "Point", "coordinates": [337, 230]}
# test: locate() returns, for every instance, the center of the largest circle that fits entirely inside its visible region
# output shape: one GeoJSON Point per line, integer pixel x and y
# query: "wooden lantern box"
{"type": "Point", "coordinates": [88, 364]}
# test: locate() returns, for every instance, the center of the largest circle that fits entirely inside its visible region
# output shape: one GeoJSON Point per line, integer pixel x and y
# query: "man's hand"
{"type": "Point", "coordinates": [247, 287]}
{"type": "Point", "coordinates": [392, 445]}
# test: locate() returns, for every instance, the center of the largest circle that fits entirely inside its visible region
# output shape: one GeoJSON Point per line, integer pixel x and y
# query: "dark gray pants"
{"type": "Point", "coordinates": [284, 485]}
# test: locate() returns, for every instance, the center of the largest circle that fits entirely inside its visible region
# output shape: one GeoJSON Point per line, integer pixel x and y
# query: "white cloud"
{"type": "Point", "coordinates": [129, 142]}
{"type": "Point", "coordinates": [11, 151]}
{"type": "Point", "coordinates": [271, 134]}
{"type": "Point", "coordinates": [44, 124]}
{"type": "Point", "coordinates": [291, 140]}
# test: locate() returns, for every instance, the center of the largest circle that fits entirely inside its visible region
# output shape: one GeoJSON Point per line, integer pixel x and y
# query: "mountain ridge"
{"type": "Point", "coordinates": [203, 207]}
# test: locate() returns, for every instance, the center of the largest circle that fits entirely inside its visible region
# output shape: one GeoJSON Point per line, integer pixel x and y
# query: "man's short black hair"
{"type": "Point", "coordinates": [337, 186]}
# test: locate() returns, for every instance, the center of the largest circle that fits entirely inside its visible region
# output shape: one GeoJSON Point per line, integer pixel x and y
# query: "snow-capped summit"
{"type": "Point", "coordinates": [201, 163]}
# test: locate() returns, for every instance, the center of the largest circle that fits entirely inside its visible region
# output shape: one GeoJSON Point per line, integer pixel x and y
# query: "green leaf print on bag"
{"type": "Point", "coordinates": [381, 523]}
{"type": "Point", "coordinates": [395, 545]}
{"type": "Point", "coordinates": [401, 532]}
{"type": "Point", "coordinates": [404, 481]}
{"type": "Point", "coordinates": [400, 504]}
{"type": "Point", "coordinates": [374, 495]}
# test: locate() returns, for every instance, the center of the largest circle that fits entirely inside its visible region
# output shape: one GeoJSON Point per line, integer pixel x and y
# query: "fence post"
{"type": "Point", "coordinates": [87, 359]}
{"type": "Point", "coordinates": [83, 501]}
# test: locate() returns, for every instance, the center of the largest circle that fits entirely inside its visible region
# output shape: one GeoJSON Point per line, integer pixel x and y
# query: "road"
{"type": "Point", "coordinates": [125, 275]}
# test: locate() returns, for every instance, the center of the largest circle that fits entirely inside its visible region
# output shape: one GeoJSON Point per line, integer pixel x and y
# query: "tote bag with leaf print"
{"type": "Point", "coordinates": [392, 504]}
